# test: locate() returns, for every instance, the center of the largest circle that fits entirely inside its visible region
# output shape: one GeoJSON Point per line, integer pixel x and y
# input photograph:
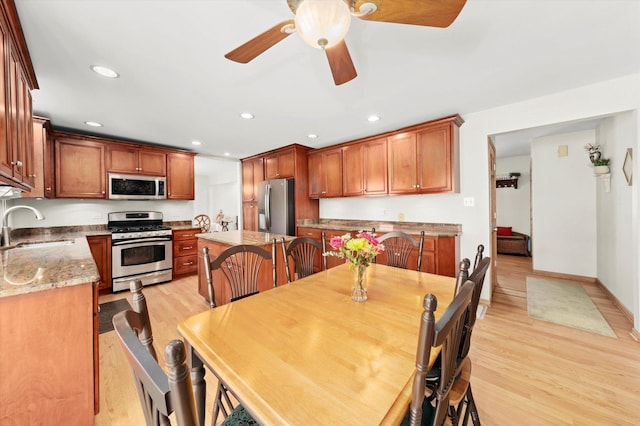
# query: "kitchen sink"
{"type": "Point", "coordinates": [43, 244]}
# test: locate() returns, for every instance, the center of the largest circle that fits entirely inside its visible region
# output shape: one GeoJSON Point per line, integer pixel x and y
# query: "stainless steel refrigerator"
{"type": "Point", "coordinates": [276, 209]}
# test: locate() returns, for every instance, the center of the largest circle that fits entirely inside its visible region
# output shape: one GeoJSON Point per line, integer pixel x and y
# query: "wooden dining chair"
{"type": "Point", "coordinates": [303, 251]}
{"type": "Point", "coordinates": [463, 396]}
{"type": "Point", "coordinates": [160, 394]}
{"type": "Point", "coordinates": [446, 333]}
{"type": "Point", "coordinates": [398, 247]}
{"type": "Point", "coordinates": [240, 266]}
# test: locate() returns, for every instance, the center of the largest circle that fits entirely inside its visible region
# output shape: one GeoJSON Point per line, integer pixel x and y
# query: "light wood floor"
{"type": "Point", "coordinates": [525, 371]}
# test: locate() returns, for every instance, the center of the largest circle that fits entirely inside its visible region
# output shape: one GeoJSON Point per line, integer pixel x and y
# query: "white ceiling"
{"type": "Point", "coordinates": [176, 86]}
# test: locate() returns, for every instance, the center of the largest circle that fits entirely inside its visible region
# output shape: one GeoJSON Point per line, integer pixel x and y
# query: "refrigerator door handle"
{"type": "Point", "coordinates": [267, 206]}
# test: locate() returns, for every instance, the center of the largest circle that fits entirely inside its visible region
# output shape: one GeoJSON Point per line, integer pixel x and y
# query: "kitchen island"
{"type": "Point", "coordinates": [48, 317]}
{"type": "Point", "coordinates": [217, 242]}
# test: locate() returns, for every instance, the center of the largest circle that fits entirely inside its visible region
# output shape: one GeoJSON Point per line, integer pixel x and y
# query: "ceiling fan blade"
{"type": "Point", "coordinates": [340, 63]}
{"type": "Point", "coordinates": [257, 45]}
{"type": "Point", "coordinates": [428, 13]}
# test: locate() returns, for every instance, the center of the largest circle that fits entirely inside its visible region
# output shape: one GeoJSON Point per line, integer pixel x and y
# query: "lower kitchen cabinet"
{"type": "Point", "coordinates": [316, 234]}
{"type": "Point", "coordinates": [185, 252]}
{"type": "Point", "coordinates": [48, 361]}
{"type": "Point", "coordinates": [100, 246]}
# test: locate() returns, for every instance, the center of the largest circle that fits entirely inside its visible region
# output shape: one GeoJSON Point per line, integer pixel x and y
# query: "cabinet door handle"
{"type": "Point", "coordinates": [187, 247]}
{"type": "Point", "coordinates": [187, 235]}
{"type": "Point", "coordinates": [188, 263]}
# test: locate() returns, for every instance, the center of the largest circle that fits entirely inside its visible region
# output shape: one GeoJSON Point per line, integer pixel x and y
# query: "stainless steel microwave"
{"type": "Point", "coordinates": [137, 187]}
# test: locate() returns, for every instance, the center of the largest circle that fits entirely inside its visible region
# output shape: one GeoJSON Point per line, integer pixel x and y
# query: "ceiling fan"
{"type": "Point", "coordinates": [324, 23]}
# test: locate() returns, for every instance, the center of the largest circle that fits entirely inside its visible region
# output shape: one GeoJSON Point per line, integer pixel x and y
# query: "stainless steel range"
{"type": "Point", "coordinates": [141, 247]}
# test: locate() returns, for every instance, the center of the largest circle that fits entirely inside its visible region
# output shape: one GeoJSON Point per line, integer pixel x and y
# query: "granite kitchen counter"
{"type": "Point", "coordinates": [430, 229]}
{"type": "Point", "coordinates": [234, 238]}
{"type": "Point", "coordinates": [61, 262]}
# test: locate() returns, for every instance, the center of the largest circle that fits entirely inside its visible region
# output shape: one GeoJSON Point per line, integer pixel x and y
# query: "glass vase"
{"type": "Point", "coordinates": [358, 292]}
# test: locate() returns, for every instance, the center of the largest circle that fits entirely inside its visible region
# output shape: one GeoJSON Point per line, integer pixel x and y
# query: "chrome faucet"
{"type": "Point", "coordinates": [6, 230]}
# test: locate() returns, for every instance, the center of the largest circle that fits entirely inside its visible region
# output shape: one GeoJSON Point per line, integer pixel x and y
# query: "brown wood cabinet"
{"type": "Point", "coordinates": [100, 246]}
{"type": "Point", "coordinates": [180, 176]}
{"type": "Point", "coordinates": [252, 173]}
{"type": "Point", "coordinates": [131, 160]}
{"type": "Point", "coordinates": [250, 216]}
{"type": "Point", "coordinates": [185, 252]}
{"type": "Point", "coordinates": [364, 168]}
{"type": "Point", "coordinates": [325, 174]}
{"type": "Point", "coordinates": [17, 79]}
{"type": "Point", "coordinates": [316, 234]}
{"type": "Point", "coordinates": [79, 168]}
{"type": "Point", "coordinates": [48, 361]}
{"type": "Point", "coordinates": [418, 159]}
{"type": "Point", "coordinates": [280, 164]}
{"type": "Point", "coordinates": [42, 159]}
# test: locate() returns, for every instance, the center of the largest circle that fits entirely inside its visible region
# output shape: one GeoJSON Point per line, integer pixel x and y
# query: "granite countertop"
{"type": "Point", "coordinates": [29, 269]}
{"type": "Point", "coordinates": [234, 238]}
{"type": "Point", "coordinates": [430, 229]}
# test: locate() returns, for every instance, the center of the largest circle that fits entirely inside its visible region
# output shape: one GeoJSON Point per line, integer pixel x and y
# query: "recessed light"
{"type": "Point", "coordinates": [93, 123]}
{"type": "Point", "coordinates": [373, 118]}
{"type": "Point", "coordinates": [104, 71]}
{"type": "Point", "coordinates": [226, 154]}
{"type": "Point", "coordinates": [246, 115]}
{"type": "Point", "coordinates": [196, 143]}
{"type": "Point", "coordinates": [312, 136]}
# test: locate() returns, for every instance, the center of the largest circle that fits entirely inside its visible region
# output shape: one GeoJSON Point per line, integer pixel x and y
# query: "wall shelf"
{"type": "Point", "coordinates": [507, 183]}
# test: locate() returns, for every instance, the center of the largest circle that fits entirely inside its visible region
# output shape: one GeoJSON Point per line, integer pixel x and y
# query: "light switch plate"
{"type": "Point", "coordinates": [469, 201]}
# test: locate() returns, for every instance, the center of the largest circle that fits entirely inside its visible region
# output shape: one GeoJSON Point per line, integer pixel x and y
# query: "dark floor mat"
{"type": "Point", "coordinates": [108, 310]}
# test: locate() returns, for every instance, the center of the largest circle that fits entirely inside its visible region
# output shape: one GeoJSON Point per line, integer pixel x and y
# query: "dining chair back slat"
{"type": "Point", "coordinates": [139, 304]}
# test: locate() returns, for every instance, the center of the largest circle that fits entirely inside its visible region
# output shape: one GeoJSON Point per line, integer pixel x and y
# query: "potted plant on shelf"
{"type": "Point", "coordinates": [601, 166]}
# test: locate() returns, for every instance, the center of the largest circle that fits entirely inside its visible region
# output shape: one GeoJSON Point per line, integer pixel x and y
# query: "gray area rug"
{"type": "Point", "coordinates": [108, 310]}
{"type": "Point", "coordinates": [565, 304]}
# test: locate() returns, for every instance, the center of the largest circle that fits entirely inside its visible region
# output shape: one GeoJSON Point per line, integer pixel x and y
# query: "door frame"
{"type": "Point", "coordinates": [493, 282]}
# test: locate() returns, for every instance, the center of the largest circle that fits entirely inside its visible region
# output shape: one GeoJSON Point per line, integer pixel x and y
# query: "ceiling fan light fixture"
{"type": "Point", "coordinates": [322, 23]}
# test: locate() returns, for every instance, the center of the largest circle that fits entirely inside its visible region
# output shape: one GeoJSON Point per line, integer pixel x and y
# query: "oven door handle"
{"type": "Point", "coordinates": [140, 240]}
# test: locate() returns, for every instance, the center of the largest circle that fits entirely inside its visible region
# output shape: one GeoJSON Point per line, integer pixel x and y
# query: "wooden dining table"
{"type": "Point", "coordinates": [304, 353]}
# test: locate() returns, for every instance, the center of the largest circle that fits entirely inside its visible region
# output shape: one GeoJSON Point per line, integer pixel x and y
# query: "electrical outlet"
{"type": "Point", "coordinates": [384, 212]}
{"type": "Point", "coordinates": [400, 217]}
{"type": "Point", "coordinates": [469, 201]}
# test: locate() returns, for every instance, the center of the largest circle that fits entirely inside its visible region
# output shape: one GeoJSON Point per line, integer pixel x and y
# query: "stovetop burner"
{"type": "Point", "coordinates": [120, 229]}
{"type": "Point", "coordinates": [132, 225]}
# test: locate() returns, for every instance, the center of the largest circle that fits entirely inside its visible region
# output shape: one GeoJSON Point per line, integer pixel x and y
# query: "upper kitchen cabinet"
{"type": "Point", "coordinates": [133, 160]}
{"type": "Point", "coordinates": [43, 160]}
{"type": "Point", "coordinates": [252, 173]}
{"type": "Point", "coordinates": [17, 167]}
{"type": "Point", "coordinates": [80, 171]}
{"type": "Point", "coordinates": [424, 159]}
{"type": "Point", "coordinates": [180, 180]}
{"type": "Point", "coordinates": [280, 164]}
{"type": "Point", "coordinates": [364, 167]}
{"type": "Point", "coordinates": [325, 173]}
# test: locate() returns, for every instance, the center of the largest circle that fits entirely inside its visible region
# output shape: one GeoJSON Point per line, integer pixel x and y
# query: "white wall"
{"type": "Point", "coordinates": [209, 171]}
{"type": "Point", "coordinates": [614, 208]}
{"type": "Point", "coordinates": [564, 205]}
{"type": "Point", "coordinates": [513, 206]}
{"type": "Point", "coordinates": [605, 98]}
